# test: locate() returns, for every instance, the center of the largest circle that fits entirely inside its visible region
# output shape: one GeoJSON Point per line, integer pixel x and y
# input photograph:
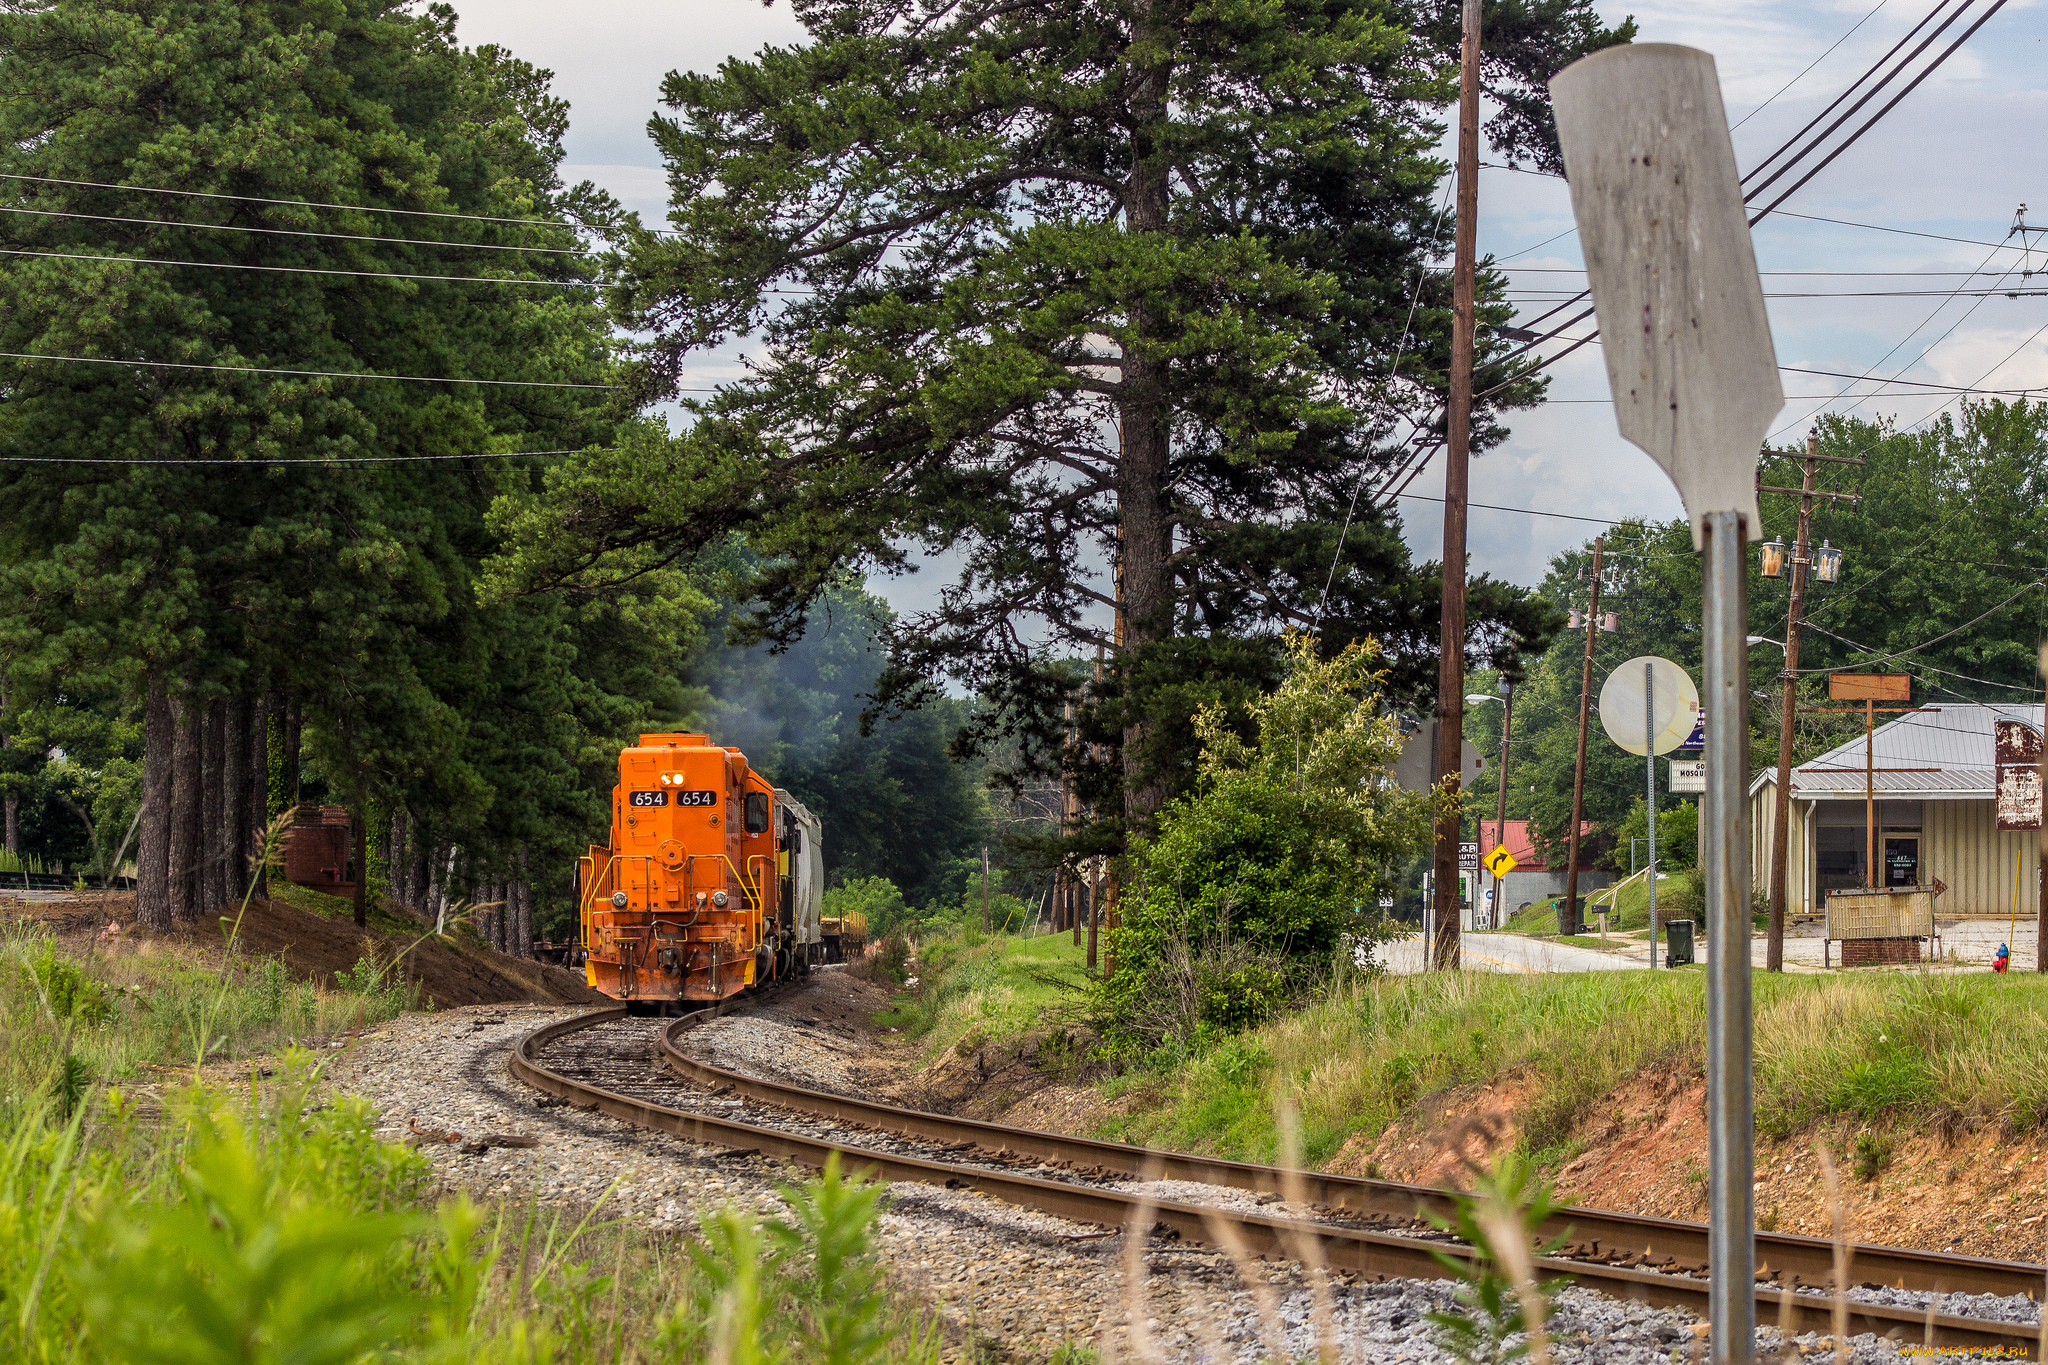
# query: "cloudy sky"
{"type": "Point", "coordinates": [1955, 161]}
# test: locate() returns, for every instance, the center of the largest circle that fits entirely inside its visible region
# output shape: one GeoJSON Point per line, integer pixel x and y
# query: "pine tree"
{"type": "Point", "coordinates": [1108, 303]}
{"type": "Point", "coordinates": [353, 194]}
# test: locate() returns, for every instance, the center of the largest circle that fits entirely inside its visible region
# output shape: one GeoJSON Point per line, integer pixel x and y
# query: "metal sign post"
{"type": "Point", "coordinates": [1650, 777]}
{"type": "Point", "coordinates": [1695, 384]}
{"type": "Point", "coordinates": [1670, 705]}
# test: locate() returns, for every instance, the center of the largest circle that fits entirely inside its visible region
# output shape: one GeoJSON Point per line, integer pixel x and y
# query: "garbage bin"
{"type": "Point", "coordinates": [1678, 943]}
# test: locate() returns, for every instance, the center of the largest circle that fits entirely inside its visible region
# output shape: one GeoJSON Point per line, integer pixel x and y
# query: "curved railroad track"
{"type": "Point", "coordinates": [635, 1072]}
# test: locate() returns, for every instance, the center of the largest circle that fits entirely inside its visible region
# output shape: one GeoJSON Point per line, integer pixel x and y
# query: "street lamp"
{"type": "Point", "coordinates": [1771, 558]}
{"type": "Point", "coordinates": [1827, 563]}
{"type": "Point", "coordinates": [1765, 640]}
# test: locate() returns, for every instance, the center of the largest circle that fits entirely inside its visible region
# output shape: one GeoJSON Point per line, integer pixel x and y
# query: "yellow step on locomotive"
{"type": "Point", "coordinates": [712, 884]}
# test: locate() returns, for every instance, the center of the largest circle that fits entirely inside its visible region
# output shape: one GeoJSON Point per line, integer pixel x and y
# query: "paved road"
{"type": "Point", "coordinates": [1513, 954]}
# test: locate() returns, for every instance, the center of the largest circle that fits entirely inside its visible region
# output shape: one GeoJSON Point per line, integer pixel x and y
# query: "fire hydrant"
{"type": "Point", "coordinates": [2002, 960]}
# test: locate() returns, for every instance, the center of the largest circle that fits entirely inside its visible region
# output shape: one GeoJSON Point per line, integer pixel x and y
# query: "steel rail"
{"type": "Point", "coordinates": [1357, 1250]}
{"type": "Point", "coordinates": [1810, 1260]}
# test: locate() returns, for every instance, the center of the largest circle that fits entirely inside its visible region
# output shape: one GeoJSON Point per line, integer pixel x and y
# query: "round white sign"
{"type": "Point", "coordinates": [1674, 704]}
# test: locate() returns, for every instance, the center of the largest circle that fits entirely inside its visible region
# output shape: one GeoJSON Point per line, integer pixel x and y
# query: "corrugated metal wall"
{"type": "Point", "coordinates": [1763, 826]}
{"type": "Point", "coordinates": [1961, 846]}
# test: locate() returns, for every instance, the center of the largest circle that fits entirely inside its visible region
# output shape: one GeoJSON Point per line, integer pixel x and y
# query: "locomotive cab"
{"type": "Point", "coordinates": [687, 900]}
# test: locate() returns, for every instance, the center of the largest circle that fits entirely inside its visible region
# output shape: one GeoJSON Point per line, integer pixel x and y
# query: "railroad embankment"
{"type": "Point", "coordinates": [1929, 1092]}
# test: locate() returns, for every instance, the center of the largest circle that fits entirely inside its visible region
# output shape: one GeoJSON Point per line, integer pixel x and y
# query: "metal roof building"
{"type": "Point", "coordinates": [1935, 780]}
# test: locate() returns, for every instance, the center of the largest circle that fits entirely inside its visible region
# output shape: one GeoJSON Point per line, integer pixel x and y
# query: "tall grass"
{"type": "Point", "coordinates": [117, 1014]}
{"type": "Point", "coordinates": [269, 1224]}
{"type": "Point", "coordinates": [976, 990]}
{"type": "Point", "coordinates": [1898, 1046]}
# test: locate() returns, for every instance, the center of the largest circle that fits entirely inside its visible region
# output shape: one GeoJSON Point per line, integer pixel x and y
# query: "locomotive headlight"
{"type": "Point", "coordinates": [719, 898]}
{"type": "Point", "coordinates": [618, 900]}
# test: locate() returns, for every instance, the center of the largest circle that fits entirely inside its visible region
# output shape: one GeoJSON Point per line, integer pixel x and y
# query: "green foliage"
{"type": "Point", "coordinates": [276, 1227]}
{"type": "Point", "coordinates": [1490, 1324]}
{"type": "Point", "coordinates": [1271, 869]}
{"type": "Point", "coordinates": [892, 958]}
{"type": "Point", "coordinates": [875, 899]}
{"type": "Point", "coordinates": [282, 1248]}
{"type": "Point", "coordinates": [66, 991]}
{"type": "Point", "coordinates": [1948, 512]}
{"type": "Point", "coordinates": [1871, 1154]}
{"type": "Point", "coordinates": [893, 802]}
{"type": "Point", "coordinates": [314, 571]}
{"type": "Point", "coordinates": [1678, 835]}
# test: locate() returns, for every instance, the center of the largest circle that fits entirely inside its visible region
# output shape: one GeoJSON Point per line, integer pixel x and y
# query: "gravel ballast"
{"type": "Point", "coordinates": [1010, 1282]}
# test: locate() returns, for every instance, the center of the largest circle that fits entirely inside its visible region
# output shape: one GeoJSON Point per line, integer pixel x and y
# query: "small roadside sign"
{"type": "Point", "coordinates": [1500, 862]}
{"type": "Point", "coordinates": [1468, 856]}
{"type": "Point", "coordinates": [1688, 776]}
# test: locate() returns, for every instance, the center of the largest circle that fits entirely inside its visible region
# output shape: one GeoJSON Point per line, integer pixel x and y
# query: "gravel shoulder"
{"type": "Point", "coordinates": [1009, 1283]}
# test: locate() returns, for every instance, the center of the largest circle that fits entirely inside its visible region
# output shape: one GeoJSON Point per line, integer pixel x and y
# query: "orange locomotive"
{"type": "Point", "coordinates": [711, 884]}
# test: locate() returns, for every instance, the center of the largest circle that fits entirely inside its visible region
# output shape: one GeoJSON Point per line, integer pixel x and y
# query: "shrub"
{"type": "Point", "coordinates": [65, 991]}
{"type": "Point", "coordinates": [1259, 882]}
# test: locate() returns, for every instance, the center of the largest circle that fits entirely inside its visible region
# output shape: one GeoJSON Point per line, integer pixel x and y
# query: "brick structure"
{"type": "Point", "coordinates": [317, 850]}
{"type": "Point", "coordinates": [1879, 952]}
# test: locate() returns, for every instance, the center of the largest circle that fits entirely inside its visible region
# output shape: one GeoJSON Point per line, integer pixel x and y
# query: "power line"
{"type": "Point", "coordinates": [1526, 511]}
{"type": "Point", "coordinates": [295, 269]}
{"type": "Point", "coordinates": [1915, 649]}
{"type": "Point", "coordinates": [294, 232]}
{"type": "Point", "coordinates": [288, 203]}
{"type": "Point", "coordinates": [1929, 667]}
{"type": "Point", "coordinates": [306, 459]}
{"type": "Point", "coordinates": [1794, 159]}
{"type": "Point", "coordinates": [1959, 292]}
{"type": "Point", "coordinates": [300, 374]}
{"type": "Point", "coordinates": [1810, 66]}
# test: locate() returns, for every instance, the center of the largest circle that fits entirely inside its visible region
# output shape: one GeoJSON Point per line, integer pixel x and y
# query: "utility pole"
{"type": "Point", "coordinates": [1568, 922]}
{"type": "Point", "coordinates": [1781, 815]}
{"type": "Point", "coordinates": [1500, 812]}
{"type": "Point", "coordinates": [1450, 691]}
{"type": "Point", "coordinates": [984, 889]}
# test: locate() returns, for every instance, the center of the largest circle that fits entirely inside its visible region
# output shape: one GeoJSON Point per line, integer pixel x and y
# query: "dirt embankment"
{"type": "Point", "coordinates": [314, 947]}
{"type": "Point", "coordinates": [1982, 1192]}
{"type": "Point", "coordinates": [1642, 1149]}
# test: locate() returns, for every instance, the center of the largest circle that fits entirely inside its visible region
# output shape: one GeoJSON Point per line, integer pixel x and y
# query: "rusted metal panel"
{"type": "Point", "coordinates": [2018, 749]}
{"type": "Point", "coordinates": [1870, 687]}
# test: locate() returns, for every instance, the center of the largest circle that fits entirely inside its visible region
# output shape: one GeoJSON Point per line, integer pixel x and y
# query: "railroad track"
{"type": "Point", "coordinates": [1372, 1228]}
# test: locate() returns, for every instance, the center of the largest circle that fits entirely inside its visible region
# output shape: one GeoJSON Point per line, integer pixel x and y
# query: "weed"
{"type": "Point", "coordinates": [1767, 1221]}
{"type": "Point", "coordinates": [74, 1079]}
{"type": "Point", "coordinates": [1870, 1155]}
{"type": "Point", "coordinates": [66, 992]}
{"type": "Point", "coordinates": [892, 959]}
{"type": "Point", "coordinates": [1502, 1306]}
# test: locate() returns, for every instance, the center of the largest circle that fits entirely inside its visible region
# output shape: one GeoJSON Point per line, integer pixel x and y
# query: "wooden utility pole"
{"type": "Point", "coordinates": [1450, 690]}
{"type": "Point", "coordinates": [1781, 816]}
{"type": "Point", "coordinates": [1568, 921]}
{"type": "Point", "coordinates": [1500, 812]}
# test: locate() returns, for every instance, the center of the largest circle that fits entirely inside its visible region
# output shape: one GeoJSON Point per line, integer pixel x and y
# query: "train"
{"type": "Point", "coordinates": [712, 884]}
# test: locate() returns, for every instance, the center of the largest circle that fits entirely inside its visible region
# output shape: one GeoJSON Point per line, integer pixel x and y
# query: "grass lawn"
{"type": "Point", "coordinates": [1896, 1046]}
{"type": "Point", "coordinates": [980, 989]}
